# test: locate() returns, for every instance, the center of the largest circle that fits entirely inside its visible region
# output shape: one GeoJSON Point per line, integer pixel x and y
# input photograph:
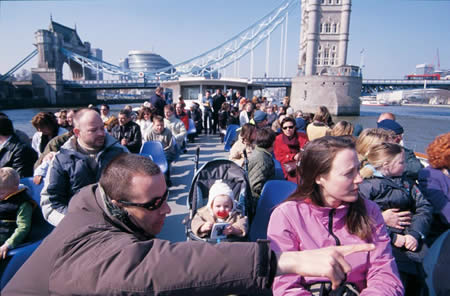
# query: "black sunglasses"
{"type": "Point", "coordinates": [152, 205]}
{"type": "Point", "coordinates": [288, 127]}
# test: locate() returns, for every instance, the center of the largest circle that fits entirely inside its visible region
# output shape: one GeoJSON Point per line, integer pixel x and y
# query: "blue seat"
{"type": "Point", "coordinates": [273, 192]}
{"type": "Point", "coordinates": [279, 175]}
{"type": "Point", "coordinates": [191, 129]}
{"type": "Point", "coordinates": [17, 258]}
{"type": "Point", "coordinates": [39, 230]}
{"type": "Point", "coordinates": [156, 151]}
{"type": "Point", "coordinates": [434, 256]}
{"type": "Point", "coordinates": [230, 136]}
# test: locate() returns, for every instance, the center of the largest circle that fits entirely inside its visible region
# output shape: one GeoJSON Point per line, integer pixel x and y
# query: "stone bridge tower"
{"type": "Point", "coordinates": [48, 76]}
{"type": "Point", "coordinates": [324, 78]}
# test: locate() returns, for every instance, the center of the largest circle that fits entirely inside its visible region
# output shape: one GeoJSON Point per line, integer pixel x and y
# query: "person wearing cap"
{"type": "Point", "coordinates": [259, 119]}
{"type": "Point", "coordinates": [412, 164]}
{"type": "Point", "coordinates": [221, 207]}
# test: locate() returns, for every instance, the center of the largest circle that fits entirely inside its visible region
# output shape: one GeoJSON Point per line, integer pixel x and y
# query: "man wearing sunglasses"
{"type": "Point", "coordinates": [106, 245]}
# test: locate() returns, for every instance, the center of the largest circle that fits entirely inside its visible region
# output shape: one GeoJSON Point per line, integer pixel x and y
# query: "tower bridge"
{"type": "Point", "coordinates": [324, 78]}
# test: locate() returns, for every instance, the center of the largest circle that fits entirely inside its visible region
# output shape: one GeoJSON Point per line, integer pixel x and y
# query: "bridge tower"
{"type": "Point", "coordinates": [324, 78]}
{"type": "Point", "coordinates": [47, 78]}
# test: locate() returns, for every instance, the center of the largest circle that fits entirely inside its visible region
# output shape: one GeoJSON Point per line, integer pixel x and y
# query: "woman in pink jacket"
{"type": "Point", "coordinates": [326, 210]}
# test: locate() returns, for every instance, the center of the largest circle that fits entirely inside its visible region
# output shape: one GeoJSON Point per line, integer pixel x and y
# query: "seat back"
{"type": "Point", "coordinates": [278, 170]}
{"type": "Point", "coordinates": [40, 228]}
{"type": "Point", "coordinates": [274, 192]}
{"type": "Point", "coordinates": [230, 136]}
{"type": "Point", "coordinates": [192, 129]}
{"type": "Point", "coordinates": [16, 258]}
{"type": "Point", "coordinates": [156, 151]}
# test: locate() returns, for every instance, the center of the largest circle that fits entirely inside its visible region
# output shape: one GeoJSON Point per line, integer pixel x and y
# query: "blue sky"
{"type": "Point", "coordinates": [395, 34]}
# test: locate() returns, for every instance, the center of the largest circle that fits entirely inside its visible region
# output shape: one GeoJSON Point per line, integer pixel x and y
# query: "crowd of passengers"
{"type": "Point", "coordinates": [70, 149]}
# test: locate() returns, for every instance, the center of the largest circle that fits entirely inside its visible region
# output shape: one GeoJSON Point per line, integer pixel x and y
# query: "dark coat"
{"type": "Point", "coordinates": [402, 194]}
{"type": "Point", "coordinates": [412, 165]}
{"type": "Point", "coordinates": [435, 185]}
{"type": "Point", "coordinates": [92, 252]}
{"type": "Point", "coordinates": [19, 156]}
{"type": "Point", "coordinates": [218, 100]}
{"type": "Point", "coordinates": [159, 103]}
{"type": "Point", "coordinates": [260, 169]}
{"type": "Point", "coordinates": [132, 133]}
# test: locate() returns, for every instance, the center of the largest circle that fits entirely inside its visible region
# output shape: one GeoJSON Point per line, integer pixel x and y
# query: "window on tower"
{"type": "Point", "coordinates": [334, 28]}
{"type": "Point", "coordinates": [326, 55]}
{"type": "Point", "coordinates": [321, 28]}
{"type": "Point", "coordinates": [327, 28]}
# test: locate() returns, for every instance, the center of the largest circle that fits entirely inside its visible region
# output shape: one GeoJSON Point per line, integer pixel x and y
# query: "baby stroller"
{"type": "Point", "coordinates": [231, 174]}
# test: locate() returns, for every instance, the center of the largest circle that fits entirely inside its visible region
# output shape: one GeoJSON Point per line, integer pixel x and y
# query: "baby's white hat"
{"type": "Point", "coordinates": [219, 188]}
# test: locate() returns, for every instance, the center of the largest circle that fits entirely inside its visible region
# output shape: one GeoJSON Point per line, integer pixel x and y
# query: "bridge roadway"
{"type": "Point", "coordinates": [369, 85]}
{"type": "Point", "coordinates": [182, 174]}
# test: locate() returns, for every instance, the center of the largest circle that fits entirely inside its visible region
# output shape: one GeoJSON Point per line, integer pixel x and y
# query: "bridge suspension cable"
{"type": "Point", "coordinates": [216, 59]}
{"type": "Point", "coordinates": [19, 65]}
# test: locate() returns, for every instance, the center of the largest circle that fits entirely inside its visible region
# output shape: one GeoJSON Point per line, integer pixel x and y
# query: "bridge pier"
{"type": "Point", "coordinates": [340, 94]}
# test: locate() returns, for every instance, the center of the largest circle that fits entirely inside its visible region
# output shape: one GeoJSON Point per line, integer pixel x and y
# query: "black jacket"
{"type": "Point", "coordinates": [18, 156]}
{"type": "Point", "coordinates": [130, 131]}
{"type": "Point", "coordinates": [402, 194]}
{"type": "Point", "coordinates": [412, 165]}
{"type": "Point", "coordinates": [159, 103]}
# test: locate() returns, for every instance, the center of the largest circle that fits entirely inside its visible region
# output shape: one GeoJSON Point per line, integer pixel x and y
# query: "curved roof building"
{"type": "Point", "coordinates": [146, 61]}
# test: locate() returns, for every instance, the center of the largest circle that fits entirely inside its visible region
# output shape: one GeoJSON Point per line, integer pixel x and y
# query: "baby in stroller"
{"type": "Point", "coordinates": [221, 207]}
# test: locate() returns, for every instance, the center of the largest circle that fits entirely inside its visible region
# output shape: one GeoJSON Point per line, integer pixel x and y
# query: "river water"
{"type": "Point", "coordinates": [421, 124]}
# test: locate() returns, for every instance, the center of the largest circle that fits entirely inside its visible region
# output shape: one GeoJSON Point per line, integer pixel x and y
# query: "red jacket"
{"type": "Point", "coordinates": [185, 119]}
{"type": "Point", "coordinates": [282, 151]}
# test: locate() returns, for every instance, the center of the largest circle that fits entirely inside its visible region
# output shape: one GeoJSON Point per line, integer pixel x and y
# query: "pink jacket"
{"type": "Point", "coordinates": [297, 226]}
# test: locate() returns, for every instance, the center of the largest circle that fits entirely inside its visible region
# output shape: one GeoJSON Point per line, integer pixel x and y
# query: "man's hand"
{"type": "Point", "coordinates": [124, 142]}
{"type": "Point", "coordinates": [327, 262]}
{"type": "Point", "coordinates": [396, 219]}
{"type": "Point", "coordinates": [3, 251]}
{"type": "Point", "coordinates": [411, 243]}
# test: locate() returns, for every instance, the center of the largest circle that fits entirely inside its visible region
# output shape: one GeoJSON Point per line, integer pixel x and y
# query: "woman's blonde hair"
{"type": "Point", "coordinates": [378, 156]}
{"type": "Point", "coordinates": [342, 128]}
{"type": "Point", "coordinates": [371, 137]}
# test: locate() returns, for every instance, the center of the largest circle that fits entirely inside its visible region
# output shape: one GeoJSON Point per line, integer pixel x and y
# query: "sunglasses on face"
{"type": "Point", "coordinates": [152, 205]}
{"type": "Point", "coordinates": [288, 127]}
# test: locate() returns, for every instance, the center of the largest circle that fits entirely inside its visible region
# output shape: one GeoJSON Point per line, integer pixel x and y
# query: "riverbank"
{"type": "Point", "coordinates": [426, 105]}
{"type": "Point", "coordinates": [43, 104]}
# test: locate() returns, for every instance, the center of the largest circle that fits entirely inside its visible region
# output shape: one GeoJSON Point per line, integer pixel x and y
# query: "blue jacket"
{"type": "Point", "coordinates": [70, 171]}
